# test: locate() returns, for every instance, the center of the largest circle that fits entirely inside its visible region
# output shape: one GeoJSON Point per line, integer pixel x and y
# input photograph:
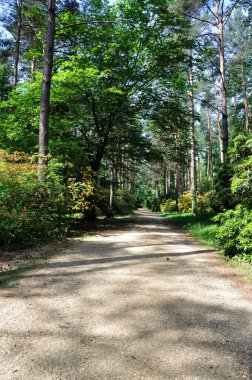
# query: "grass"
{"type": "Point", "coordinates": [200, 228]}
{"type": "Point", "coordinates": [203, 230]}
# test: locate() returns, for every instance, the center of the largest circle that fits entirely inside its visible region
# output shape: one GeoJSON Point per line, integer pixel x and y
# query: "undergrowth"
{"type": "Point", "coordinates": [206, 231]}
{"type": "Point", "coordinates": [202, 229]}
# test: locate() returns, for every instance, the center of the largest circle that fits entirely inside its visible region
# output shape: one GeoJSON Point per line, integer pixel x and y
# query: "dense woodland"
{"type": "Point", "coordinates": [109, 106]}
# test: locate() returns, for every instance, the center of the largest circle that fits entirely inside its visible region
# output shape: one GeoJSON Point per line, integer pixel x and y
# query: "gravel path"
{"type": "Point", "coordinates": [142, 301]}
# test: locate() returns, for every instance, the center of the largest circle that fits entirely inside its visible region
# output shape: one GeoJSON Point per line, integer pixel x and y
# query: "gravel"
{"type": "Point", "coordinates": [141, 301]}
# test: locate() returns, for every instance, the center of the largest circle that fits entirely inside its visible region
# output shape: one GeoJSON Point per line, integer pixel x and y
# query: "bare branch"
{"type": "Point", "coordinates": [208, 7]}
{"type": "Point", "coordinates": [214, 35]}
{"type": "Point", "coordinates": [222, 9]}
{"type": "Point", "coordinates": [199, 19]}
{"type": "Point", "coordinates": [230, 10]}
{"type": "Point", "coordinates": [208, 103]}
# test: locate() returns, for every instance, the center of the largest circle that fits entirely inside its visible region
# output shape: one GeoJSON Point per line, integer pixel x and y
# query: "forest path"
{"type": "Point", "coordinates": [113, 307]}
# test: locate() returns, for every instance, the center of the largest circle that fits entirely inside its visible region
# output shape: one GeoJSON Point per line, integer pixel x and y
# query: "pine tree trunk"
{"type": "Point", "coordinates": [218, 125]}
{"type": "Point", "coordinates": [192, 138]}
{"type": "Point", "coordinates": [111, 187]}
{"type": "Point", "coordinates": [220, 25]}
{"type": "Point", "coordinates": [32, 69]}
{"type": "Point", "coordinates": [46, 88]}
{"type": "Point", "coordinates": [223, 91]}
{"type": "Point", "coordinates": [210, 147]}
{"type": "Point", "coordinates": [200, 175]}
{"type": "Point", "coordinates": [165, 178]}
{"type": "Point", "coordinates": [17, 47]}
{"type": "Point", "coordinates": [245, 96]}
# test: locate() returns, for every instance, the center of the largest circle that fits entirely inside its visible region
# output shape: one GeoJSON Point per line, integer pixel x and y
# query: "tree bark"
{"type": "Point", "coordinates": [192, 137]}
{"type": "Point", "coordinates": [200, 175]}
{"type": "Point", "coordinates": [32, 69]}
{"type": "Point", "coordinates": [166, 174]}
{"type": "Point", "coordinates": [225, 134]}
{"type": "Point", "coordinates": [111, 187]}
{"type": "Point", "coordinates": [245, 96]}
{"type": "Point", "coordinates": [46, 87]}
{"type": "Point", "coordinates": [17, 48]}
{"type": "Point", "coordinates": [218, 124]}
{"type": "Point", "coordinates": [210, 145]}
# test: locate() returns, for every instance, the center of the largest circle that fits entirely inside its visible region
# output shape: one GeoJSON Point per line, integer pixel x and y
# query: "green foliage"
{"type": "Point", "coordinates": [240, 153]}
{"type": "Point", "coordinates": [19, 118]}
{"type": "Point", "coordinates": [30, 211]}
{"type": "Point", "coordinates": [84, 194]}
{"type": "Point", "coordinates": [201, 228]}
{"type": "Point", "coordinates": [154, 204]}
{"type": "Point", "coordinates": [124, 202]}
{"type": "Point", "coordinates": [244, 257]}
{"type": "Point", "coordinates": [221, 198]}
{"type": "Point", "coordinates": [204, 204]}
{"type": "Point", "coordinates": [168, 205]}
{"type": "Point", "coordinates": [234, 234]}
{"type": "Point", "coordinates": [185, 202]}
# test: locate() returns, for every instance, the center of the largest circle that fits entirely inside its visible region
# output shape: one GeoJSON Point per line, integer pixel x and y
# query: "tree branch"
{"type": "Point", "coordinates": [84, 22]}
{"type": "Point", "coordinates": [199, 19]}
{"type": "Point", "coordinates": [208, 7]}
{"type": "Point", "coordinates": [230, 10]}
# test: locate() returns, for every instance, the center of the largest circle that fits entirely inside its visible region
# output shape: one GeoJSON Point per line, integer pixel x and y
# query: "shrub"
{"type": "Point", "coordinates": [30, 211]}
{"type": "Point", "coordinates": [234, 234]}
{"type": "Point", "coordinates": [169, 205]}
{"type": "Point", "coordinates": [124, 202]}
{"type": "Point", "coordinates": [185, 202]}
{"type": "Point", "coordinates": [221, 198]}
{"type": "Point", "coordinates": [85, 194]}
{"type": "Point", "coordinates": [203, 206]}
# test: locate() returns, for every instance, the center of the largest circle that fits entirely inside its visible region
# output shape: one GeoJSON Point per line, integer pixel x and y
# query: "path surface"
{"type": "Point", "coordinates": [114, 307]}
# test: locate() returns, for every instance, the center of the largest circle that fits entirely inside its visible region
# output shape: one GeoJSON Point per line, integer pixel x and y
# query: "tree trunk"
{"type": "Point", "coordinates": [192, 137]}
{"type": "Point", "coordinates": [218, 124]}
{"type": "Point", "coordinates": [17, 48]}
{"type": "Point", "coordinates": [165, 178]}
{"type": "Point", "coordinates": [245, 96]}
{"type": "Point", "coordinates": [46, 87]}
{"type": "Point", "coordinates": [32, 69]}
{"type": "Point", "coordinates": [111, 187]}
{"type": "Point", "coordinates": [200, 175]}
{"type": "Point", "coordinates": [210, 146]}
{"type": "Point", "coordinates": [223, 90]}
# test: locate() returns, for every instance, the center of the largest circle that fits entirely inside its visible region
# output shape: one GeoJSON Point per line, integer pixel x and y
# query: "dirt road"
{"type": "Point", "coordinates": [142, 301]}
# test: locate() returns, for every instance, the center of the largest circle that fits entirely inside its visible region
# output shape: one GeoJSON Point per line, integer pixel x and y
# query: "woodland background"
{"type": "Point", "coordinates": [142, 103]}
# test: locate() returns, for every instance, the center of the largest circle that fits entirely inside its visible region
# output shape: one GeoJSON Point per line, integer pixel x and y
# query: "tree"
{"type": "Point", "coordinates": [214, 16]}
{"type": "Point", "coordinates": [46, 86]}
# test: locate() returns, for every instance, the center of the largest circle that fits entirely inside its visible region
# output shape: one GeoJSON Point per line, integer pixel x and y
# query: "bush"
{"type": "Point", "coordinates": [124, 202]}
{"type": "Point", "coordinates": [221, 198]}
{"type": "Point", "coordinates": [203, 206]}
{"type": "Point", "coordinates": [185, 202]}
{"type": "Point", "coordinates": [234, 234]}
{"type": "Point", "coordinates": [30, 211]}
{"type": "Point", "coordinates": [85, 194]}
{"type": "Point", "coordinates": [169, 205]}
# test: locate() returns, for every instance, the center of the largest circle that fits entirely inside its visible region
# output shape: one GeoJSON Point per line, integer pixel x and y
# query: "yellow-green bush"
{"type": "Point", "coordinates": [84, 194]}
{"type": "Point", "coordinates": [204, 202]}
{"type": "Point", "coordinates": [185, 202]}
{"type": "Point", "coordinates": [168, 205]}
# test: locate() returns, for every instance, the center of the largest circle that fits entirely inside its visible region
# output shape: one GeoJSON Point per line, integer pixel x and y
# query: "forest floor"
{"type": "Point", "coordinates": [140, 300]}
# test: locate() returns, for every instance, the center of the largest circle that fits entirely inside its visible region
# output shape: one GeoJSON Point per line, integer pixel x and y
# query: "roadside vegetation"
{"type": "Point", "coordinates": [105, 107]}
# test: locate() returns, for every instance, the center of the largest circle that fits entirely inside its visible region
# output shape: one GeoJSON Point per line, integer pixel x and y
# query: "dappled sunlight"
{"type": "Point", "coordinates": [139, 303]}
